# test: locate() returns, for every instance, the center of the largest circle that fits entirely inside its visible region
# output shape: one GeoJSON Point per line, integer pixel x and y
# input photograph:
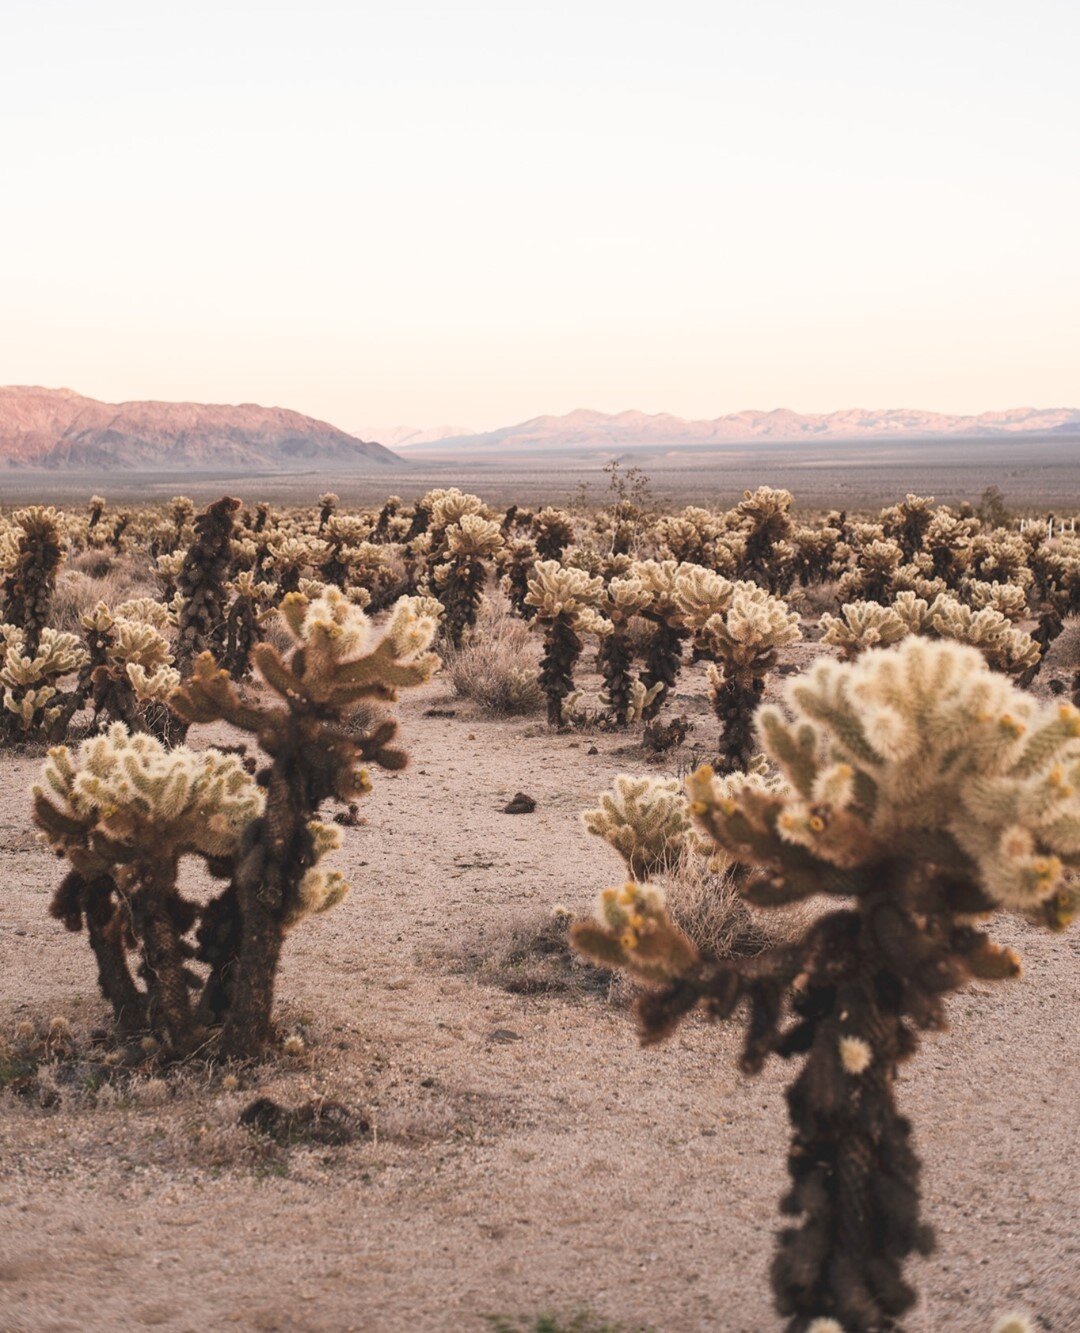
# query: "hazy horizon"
{"type": "Point", "coordinates": [425, 216]}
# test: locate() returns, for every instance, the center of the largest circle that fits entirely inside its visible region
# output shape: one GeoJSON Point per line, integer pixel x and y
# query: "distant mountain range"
{"type": "Point", "coordinates": [599, 431]}
{"type": "Point", "coordinates": [58, 428]}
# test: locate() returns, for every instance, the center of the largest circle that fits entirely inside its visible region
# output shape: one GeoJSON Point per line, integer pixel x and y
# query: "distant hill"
{"type": "Point", "coordinates": [599, 431]}
{"type": "Point", "coordinates": [58, 428]}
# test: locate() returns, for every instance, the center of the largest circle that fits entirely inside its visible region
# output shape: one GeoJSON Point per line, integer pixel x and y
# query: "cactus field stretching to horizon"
{"type": "Point", "coordinates": [838, 758]}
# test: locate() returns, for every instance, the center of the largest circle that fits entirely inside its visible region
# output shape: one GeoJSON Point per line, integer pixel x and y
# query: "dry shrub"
{"type": "Point", "coordinates": [497, 668]}
{"type": "Point", "coordinates": [94, 564]}
{"type": "Point", "coordinates": [77, 593]}
{"type": "Point", "coordinates": [532, 955]}
{"type": "Point", "coordinates": [706, 905]}
{"type": "Point", "coordinates": [817, 599]}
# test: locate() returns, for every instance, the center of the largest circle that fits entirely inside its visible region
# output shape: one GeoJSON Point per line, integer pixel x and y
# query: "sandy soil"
{"type": "Point", "coordinates": [527, 1156]}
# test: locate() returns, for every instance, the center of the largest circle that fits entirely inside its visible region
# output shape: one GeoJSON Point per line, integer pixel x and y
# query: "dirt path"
{"type": "Point", "coordinates": [528, 1156]}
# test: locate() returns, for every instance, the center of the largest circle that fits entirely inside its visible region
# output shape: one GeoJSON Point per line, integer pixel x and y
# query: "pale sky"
{"type": "Point", "coordinates": [473, 213]}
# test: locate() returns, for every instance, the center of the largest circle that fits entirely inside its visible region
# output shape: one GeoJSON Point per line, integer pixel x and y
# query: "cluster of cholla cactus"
{"type": "Point", "coordinates": [125, 810]}
{"type": "Point", "coordinates": [863, 625]}
{"type": "Point", "coordinates": [924, 791]}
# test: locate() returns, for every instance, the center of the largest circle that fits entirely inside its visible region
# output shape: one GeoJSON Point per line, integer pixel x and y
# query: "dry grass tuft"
{"type": "Point", "coordinates": [497, 669]}
{"type": "Point", "coordinates": [533, 956]}
{"type": "Point", "coordinates": [706, 905]}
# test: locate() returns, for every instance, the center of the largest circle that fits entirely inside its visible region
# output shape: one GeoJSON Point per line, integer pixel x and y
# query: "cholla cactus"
{"type": "Point", "coordinates": [553, 532]}
{"type": "Point", "coordinates": [765, 519]}
{"type": "Point", "coordinates": [328, 504]}
{"type": "Point", "coordinates": [470, 543]}
{"type": "Point", "coordinates": [744, 642]}
{"type": "Point", "coordinates": [927, 791]}
{"type": "Point", "coordinates": [337, 666]}
{"type": "Point", "coordinates": [623, 697]}
{"type": "Point", "coordinates": [30, 556]}
{"type": "Point", "coordinates": [863, 625]}
{"type": "Point", "coordinates": [873, 573]}
{"type": "Point", "coordinates": [646, 820]}
{"type": "Point", "coordinates": [867, 625]}
{"type": "Point", "coordinates": [202, 582]}
{"type": "Point", "coordinates": [1007, 598]}
{"type": "Point", "coordinates": [124, 810]}
{"type": "Point", "coordinates": [564, 600]}
{"type": "Point", "coordinates": [667, 585]}
{"type": "Point", "coordinates": [908, 522]}
{"type": "Point", "coordinates": [33, 702]}
{"type": "Point", "coordinates": [815, 551]}
{"type": "Point", "coordinates": [244, 624]}
{"type": "Point", "coordinates": [128, 674]}
{"type": "Point", "coordinates": [517, 562]}
{"type": "Point", "coordinates": [1006, 648]}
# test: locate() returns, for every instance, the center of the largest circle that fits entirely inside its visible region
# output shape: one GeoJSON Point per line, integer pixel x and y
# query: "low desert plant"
{"type": "Point", "coordinates": [497, 669]}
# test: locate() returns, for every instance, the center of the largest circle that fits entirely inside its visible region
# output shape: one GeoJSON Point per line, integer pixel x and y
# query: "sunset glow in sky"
{"type": "Point", "coordinates": [474, 213]}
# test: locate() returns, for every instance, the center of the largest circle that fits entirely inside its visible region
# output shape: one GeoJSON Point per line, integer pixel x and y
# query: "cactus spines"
{"type": "Point", "coordinates": [336, 666]}
{"type": "Point", "coordinates": [927, 791]}
{"type": "Point", "coordinates": [30, 559]}
{"type": "Point", "coordinates": [470, 542]}
{"type": "Point", "coordinates": [646, 820]}
{"type": "Point", "coordinates": [123, 810]}
{"type": "Point", "coordinates": [201, 582]}
{"type": "Point", "coordinates": [744, 642]}
{"type": "Point", "coordinates": [564, 600]}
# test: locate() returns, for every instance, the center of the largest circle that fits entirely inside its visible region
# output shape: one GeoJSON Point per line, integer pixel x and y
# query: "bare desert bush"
{"type": "Point", "coordinates": [496, 669]}
{"type": "Point", "coordinates": [531, 955]}
{"type": "Point", "coordinates": [708, 908]}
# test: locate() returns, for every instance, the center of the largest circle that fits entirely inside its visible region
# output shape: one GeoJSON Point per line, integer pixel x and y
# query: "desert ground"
{"type": "Point", "coordinates": [525, 1158]}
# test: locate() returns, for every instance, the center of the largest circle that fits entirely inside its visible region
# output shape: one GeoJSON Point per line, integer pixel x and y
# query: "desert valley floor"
{"type": "Point", "coordinates": [526, 1156]}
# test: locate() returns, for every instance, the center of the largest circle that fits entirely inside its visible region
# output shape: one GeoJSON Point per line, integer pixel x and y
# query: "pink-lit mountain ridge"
{"type": "Point", "coordinates": [584, 429]}
{"type": "Point", "coordinates": [58, 428]}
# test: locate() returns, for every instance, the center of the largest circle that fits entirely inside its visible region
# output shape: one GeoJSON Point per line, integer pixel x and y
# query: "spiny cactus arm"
{"type": "Point", "coordinates": [208, 695]}
{"type": "Point", "coordinates": [633, 930]}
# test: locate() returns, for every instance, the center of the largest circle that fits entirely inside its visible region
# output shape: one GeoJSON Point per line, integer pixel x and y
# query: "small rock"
{"type": "Point", "coordinates": [520, 805]}
{"type": "Point", "coordinates": [592, 750]}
